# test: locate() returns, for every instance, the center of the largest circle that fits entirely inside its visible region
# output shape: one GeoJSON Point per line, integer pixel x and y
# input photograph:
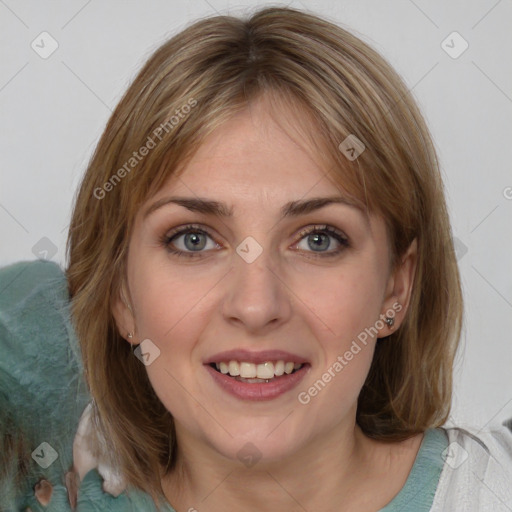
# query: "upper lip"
{"type": "Point", "coordinates": [262, 356]}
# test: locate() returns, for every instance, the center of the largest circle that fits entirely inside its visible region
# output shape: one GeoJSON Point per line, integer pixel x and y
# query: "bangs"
{"type": "Point", "coordinates": [171, 144]}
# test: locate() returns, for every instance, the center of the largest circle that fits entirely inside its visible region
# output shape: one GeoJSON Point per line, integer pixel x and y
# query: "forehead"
{"type": "Point", "coordinates": [258, 151]}
{"type": "Point", "coordinates": [253, 165]}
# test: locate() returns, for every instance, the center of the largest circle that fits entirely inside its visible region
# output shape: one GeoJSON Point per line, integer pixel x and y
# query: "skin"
{"type": "Point", "coordinates": [313, 456]}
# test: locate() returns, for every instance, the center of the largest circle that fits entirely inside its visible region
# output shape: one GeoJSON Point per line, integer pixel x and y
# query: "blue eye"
{"type": "Point", "coordinates": [319, 237]}
{"type": "Point", "coordinates": [192, 241]}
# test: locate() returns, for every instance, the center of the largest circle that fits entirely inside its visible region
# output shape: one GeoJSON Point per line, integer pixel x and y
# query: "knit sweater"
{"type": "Point", "coordinates": [43, 398]}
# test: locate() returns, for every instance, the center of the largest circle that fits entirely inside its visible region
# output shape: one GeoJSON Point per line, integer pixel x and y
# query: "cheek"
{"type": "Point", "coordinates": [167, 304]}
{"type": "Point", "coordinates": [347, 305]}
{"type": "Point", "coordinates": [336, 382]}
{"type": "Point", "coordinates": [169, 312]}
{"type": "Point", "coordinates": [350, 301]}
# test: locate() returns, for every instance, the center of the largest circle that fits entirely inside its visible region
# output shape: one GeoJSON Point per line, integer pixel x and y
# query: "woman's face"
{"type": "Point", "coordinates": [251, 289]}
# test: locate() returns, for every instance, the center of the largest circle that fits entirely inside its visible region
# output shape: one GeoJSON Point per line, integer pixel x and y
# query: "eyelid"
{"type": "Point", "coordinates": [322, 227]}
{"type": "Point", "coordinates": [188, 227]}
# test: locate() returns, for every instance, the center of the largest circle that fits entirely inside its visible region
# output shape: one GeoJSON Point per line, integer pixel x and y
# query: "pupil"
{"type": "Point", "coordinates": [316, 237]}
{"type": "Point", "coordinates": [195, 239]}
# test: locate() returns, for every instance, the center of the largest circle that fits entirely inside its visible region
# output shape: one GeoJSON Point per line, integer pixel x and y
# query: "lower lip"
{"type": "Point", "coordinates": [262, 390]}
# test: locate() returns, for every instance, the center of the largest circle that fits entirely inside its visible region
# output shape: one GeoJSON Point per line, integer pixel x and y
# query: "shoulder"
{"type": "Point", "coordinates": [42, 391]}
{"type": "Point", "coordinates": [21, 279]}
{"type": "Point", "coordinates": [477, 471]}
{"type": "Point", "coordinates": [34, 308]}
{"type": "Point", "coordinates": [497, 436]}
{"type": "Point", "coordinates": [33, 294]}
{"type": "Point", "coordinates": [481, 448]}
{"type": "Point", "coordinates": [34, 311]}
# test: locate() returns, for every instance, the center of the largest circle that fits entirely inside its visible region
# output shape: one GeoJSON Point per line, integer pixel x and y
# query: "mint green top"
{"type": "Point", "coordinates": [419, 490]}
{"type": "Point", "coordinates": [416, 495]}
{"type": "Point", "coordinates": [43, 393]}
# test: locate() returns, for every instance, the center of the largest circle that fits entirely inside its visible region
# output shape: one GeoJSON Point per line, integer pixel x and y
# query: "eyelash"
{"type": "Point", "coordinates": [167, 239]}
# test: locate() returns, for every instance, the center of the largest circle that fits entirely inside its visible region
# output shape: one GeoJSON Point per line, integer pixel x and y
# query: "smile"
{"type": "Point", "coordinates": [244, 371]}
{"type": "Point", "coordinates": [263, 375]}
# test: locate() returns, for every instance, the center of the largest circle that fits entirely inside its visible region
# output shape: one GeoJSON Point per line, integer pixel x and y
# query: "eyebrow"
{"type": "Point", "coordinates": [291, 209]}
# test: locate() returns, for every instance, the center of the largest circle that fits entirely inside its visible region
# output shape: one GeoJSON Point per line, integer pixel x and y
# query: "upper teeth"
{"type": "Point", "coordinates": [265, 370]}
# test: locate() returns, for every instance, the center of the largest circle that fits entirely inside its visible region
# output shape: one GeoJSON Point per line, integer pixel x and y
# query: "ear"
{"type": "Point", "coordinates": [123, 316]}
{"type": "Point", "coordinates": [399, 290]}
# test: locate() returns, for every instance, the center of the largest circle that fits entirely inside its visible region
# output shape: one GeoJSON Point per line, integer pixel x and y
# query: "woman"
{"type": "Point", "coordinates": [264, 286]}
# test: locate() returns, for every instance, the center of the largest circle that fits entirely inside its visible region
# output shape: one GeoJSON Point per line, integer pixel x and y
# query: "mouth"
{"type": "Point", "coordinates": [252, 373]}
{"type": "Point", "coordinates": [257, 376]}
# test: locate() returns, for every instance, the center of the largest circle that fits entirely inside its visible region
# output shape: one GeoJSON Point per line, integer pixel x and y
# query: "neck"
{"type": "Point", "coordinates": [320, 476]}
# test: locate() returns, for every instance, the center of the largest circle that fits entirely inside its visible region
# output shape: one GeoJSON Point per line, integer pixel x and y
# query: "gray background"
{"type": "Point", "coordinates": [53, 110]}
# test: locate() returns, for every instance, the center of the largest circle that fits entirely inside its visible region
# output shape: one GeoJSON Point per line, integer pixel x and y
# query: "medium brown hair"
{"type": "Point", "coordinates": [217, 66]}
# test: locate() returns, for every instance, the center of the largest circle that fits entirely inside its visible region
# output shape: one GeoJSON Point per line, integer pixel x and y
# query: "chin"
{"type": "Point", "coordinates": [262, 446]}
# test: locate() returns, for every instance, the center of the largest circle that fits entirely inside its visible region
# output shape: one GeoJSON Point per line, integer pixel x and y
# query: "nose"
{"type": "Point", "coordinates": [257, 297]}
